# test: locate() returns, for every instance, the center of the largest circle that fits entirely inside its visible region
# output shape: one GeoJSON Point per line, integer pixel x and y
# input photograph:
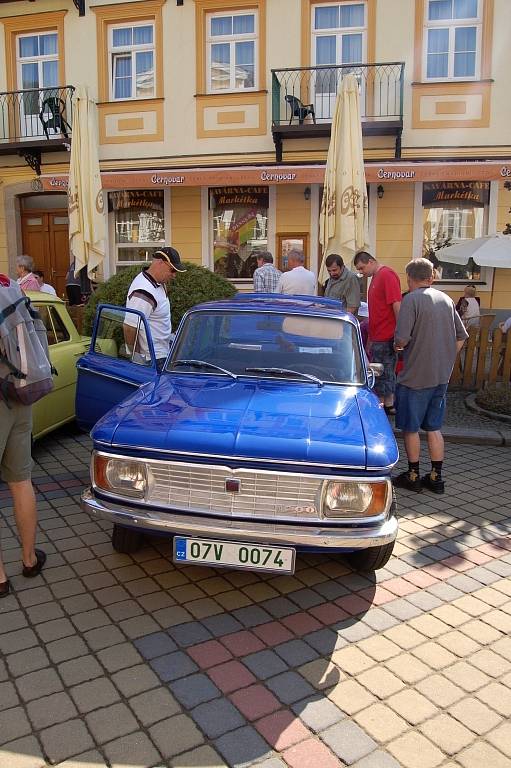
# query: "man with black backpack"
{"type": "Point", "coordinates": [15, 443]}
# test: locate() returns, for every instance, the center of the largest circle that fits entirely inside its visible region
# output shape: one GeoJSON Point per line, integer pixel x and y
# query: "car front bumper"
{"type": "Point", "coordinates": [315, 536]}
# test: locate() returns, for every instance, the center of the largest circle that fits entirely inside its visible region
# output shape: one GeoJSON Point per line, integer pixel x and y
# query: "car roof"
{"type": "Point", "coordinates": [273, 302]}
{"type": "Point", "coordinates": [42, 296]}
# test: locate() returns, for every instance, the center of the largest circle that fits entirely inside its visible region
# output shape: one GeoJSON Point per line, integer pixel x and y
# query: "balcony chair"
{"type": "Point", "coordinates": [55, 107]}
{"type": "Point", "coordinates": [299, 109]}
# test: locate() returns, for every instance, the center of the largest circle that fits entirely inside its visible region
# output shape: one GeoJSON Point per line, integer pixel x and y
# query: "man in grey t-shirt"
{"type": "Point", "coordinates": [430, 334]}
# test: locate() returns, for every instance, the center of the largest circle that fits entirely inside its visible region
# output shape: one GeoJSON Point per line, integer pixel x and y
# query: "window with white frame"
{"type": "Point", "coordinates": [339, 33]}
{"type": "Point", "coordinates": [138, 221]}
{"type": "Point", "coordinates": [232, 51]}
{"type": "Point", "coordinates": [452, 49]}
{"type": "Point", "coordinates": [132, 61]}
{"type": "Point", "coordinates": [37, 60]}
{"type": "Point", "coordinates": [454, 212]}
{"type": "Point", "coordinates": [339, 36]}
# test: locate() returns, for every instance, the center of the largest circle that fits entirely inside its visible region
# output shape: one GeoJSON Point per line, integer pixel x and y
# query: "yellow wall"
{"type": "Point", "coordinates": [3, 238]}
{"type": "Point", "coordinates": [9, 177]}
{"type": "Point", "coordinates": [502, 279]}
{"type": "Point", "coordinates": [394, 228]}
{"type": "Point", "coordinates": [186, 223]}
{"type": "Point", "coordinates": [293, 211]}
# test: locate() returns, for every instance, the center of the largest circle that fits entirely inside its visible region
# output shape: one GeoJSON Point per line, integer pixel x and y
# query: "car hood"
{"type": "Point", "coordinates": [248, 419]}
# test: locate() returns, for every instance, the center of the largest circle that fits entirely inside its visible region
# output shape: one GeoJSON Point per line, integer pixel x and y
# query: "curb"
{"type": "Point", "coordinates": [470, 402]}
{"type": "Point", "coordinates": [499, 437]}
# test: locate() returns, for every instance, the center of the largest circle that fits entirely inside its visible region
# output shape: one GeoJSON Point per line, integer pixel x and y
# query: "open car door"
{"type": "Point", "coordinates": [120, 359]}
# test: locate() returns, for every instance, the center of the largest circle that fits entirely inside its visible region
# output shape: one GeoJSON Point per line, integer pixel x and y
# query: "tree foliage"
{"type": "Point", "coordinates": [192, 287]}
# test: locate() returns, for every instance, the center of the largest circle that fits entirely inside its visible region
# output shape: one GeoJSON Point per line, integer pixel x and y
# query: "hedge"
{"type": "Point", "coordinates": [192, 287]}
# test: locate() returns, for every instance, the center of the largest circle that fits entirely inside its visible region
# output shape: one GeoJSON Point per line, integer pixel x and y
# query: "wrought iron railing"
{"type": "Point", "coordinates": [307, 94]}
{"type": "Point", "coordinates": [44, 113]}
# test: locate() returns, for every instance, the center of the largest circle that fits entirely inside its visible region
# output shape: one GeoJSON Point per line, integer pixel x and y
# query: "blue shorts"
{"type": "Point", "coordinates": [420, 408]}
{"type": "Point", "coordinates": [383, 352]}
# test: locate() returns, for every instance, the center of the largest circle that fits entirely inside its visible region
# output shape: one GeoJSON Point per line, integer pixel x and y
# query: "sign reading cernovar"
{"type": "Point", "coordinates": [252, 176]}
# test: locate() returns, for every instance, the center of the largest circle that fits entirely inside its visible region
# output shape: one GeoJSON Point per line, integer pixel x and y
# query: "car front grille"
{"type": "Point", "coordinates": [263, 495]}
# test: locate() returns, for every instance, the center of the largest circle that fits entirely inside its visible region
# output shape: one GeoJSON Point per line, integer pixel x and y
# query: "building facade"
{"type": "Point", "coordinates": [214, 121]}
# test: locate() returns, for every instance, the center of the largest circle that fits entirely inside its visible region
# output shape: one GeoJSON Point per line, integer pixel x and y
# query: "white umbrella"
{"type": "Point", "coordinates": [488, 251]}
{"type": "Point", "coordinates": [343, 224]}
{"type": "Point", "coordinates": [86, 206]}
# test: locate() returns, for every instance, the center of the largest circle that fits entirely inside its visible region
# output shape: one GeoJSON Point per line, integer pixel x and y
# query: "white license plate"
{"type": "Point", "coordinates": [234, 554]}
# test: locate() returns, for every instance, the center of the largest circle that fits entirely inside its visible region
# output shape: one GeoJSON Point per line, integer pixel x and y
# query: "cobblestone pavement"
{"type": "Point", "coordinates": [117, 660]}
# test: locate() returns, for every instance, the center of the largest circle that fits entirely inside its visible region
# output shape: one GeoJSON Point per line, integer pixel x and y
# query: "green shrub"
{"type": "Point", "coordinates": [495, 397]}
{"type": "Point", "coordinates": [189, 288]}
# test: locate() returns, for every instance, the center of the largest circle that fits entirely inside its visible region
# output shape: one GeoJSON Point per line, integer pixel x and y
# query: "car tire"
{"type": "Point", "coordinates": [370, 559]}
{"type": "Point", "coordinates": [126, 540]}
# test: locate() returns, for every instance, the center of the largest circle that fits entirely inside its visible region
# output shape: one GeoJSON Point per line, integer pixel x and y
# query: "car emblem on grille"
{"type": "Point", "coordinates": [232, 486]}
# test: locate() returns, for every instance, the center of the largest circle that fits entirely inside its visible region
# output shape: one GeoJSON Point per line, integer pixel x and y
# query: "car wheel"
{"type": "Point", "coordinates": [370, 559]}
{"type": "Point", "coordinates": [126, 540]}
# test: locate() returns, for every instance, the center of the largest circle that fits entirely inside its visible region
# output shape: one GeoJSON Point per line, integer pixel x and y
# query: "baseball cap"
{"type": "Point", "coordinates": [171, 256]}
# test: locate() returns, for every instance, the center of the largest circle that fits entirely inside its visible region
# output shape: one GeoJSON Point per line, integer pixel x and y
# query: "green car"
{"type": "Point", "coordinates": [66, 346]}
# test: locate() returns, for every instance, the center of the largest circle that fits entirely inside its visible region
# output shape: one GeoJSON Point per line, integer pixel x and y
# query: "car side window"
{"type": "Point", "coordinates": [121, 334]}
{"type": "Point", "coordinates": [56, 331]}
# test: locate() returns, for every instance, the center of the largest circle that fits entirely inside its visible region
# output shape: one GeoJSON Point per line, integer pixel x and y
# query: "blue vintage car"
{"type": "Point", "coordinates": [260, 438]}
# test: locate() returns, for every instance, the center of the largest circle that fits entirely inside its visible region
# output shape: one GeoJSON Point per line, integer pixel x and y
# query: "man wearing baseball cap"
{"type": "Point", "coordinates": [148, 294]}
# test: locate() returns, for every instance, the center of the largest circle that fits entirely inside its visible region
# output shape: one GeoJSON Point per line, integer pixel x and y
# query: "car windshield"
{"type": "Point", "coordinates": [269, 344]}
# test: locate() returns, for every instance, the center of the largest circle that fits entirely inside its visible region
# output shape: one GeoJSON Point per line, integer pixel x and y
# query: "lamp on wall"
{"type": "Point", "coordinates": [307, 193]}
{"type": "Point", "coordinates": [380, 191]}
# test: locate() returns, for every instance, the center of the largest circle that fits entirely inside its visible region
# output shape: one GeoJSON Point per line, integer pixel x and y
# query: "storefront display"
{"type": "Point", "coordinates": [138, 223]}
{"type": "Point", "coordinates": [240, 224]}
{"type": "Point", "coordinates": [453, 211]}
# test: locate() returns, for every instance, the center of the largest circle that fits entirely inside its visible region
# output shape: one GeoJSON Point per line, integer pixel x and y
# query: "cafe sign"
{"type": "Point", "coordinates": [471, 193]}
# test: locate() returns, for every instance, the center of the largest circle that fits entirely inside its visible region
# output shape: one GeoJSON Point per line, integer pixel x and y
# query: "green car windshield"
{"type": "Point", "coordinates": [275, 343]}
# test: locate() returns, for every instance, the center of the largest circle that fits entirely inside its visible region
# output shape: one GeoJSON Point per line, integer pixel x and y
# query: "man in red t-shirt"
{"type": "Point", "coordinates": [384, 300]}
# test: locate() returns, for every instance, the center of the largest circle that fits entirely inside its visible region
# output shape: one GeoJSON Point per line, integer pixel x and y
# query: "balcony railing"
{"type": "Point", "coordinates": [44, 113]}
{"type": "Point", "coordinates": [303, 99]}
{"type": "Point", "coordinates": [36, 120]}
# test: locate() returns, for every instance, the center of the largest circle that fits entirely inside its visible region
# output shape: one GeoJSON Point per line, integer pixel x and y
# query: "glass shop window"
{"type": "Point", "coordinates": [139, 225]}
{"type": "Point", "coordinates": [240, 229]}
{"type": "Point", "coordinates": [454, 211]}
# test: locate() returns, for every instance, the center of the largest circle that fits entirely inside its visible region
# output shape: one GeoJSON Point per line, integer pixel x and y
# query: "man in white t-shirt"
{"type": "Point", "coordinates": [298, 280]}
{"type": "Point", "coordinates": [148, 294]}
{"type": "Point", "coordinates": [44, 287]}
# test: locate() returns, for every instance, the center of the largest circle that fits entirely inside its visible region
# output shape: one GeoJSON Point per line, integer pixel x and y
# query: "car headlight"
{"type": "Point", "coordinates": [127, 477]}
{"type": "Point", "coordinates": [354, 499]}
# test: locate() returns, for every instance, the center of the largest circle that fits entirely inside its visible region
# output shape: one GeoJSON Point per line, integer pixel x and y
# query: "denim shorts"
{"type": "Point", "coordinates": [420, 408]}
{"type": "Point", "coordinates": [383, 352]}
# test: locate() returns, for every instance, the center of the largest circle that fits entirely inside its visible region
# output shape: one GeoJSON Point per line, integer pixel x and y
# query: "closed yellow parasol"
{"type": "Point", "coordinates": [343, 224]}
{"type": "Point", "coordinates": [86, 206]}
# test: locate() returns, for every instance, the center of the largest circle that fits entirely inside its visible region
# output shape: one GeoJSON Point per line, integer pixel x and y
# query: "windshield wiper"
{"type": "Point", "coordinates": [204, 364]}
{"type": "Point", "coordinates": [286, 372]}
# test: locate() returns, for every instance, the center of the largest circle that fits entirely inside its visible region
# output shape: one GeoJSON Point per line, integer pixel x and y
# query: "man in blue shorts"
{"type": "Point", "coordinates": [430, 334]}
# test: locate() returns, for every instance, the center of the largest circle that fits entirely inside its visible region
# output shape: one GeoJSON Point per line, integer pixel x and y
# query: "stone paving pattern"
{"type": "Point", "coordinates": [124, 661]}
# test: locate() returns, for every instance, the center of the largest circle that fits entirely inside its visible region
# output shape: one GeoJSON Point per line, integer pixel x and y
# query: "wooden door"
{"type": "Point", "coordinates": [45, 237]}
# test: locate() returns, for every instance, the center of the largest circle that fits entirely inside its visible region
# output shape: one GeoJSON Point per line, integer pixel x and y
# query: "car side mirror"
{"type": "Point", "coordinates": [374, 370]}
